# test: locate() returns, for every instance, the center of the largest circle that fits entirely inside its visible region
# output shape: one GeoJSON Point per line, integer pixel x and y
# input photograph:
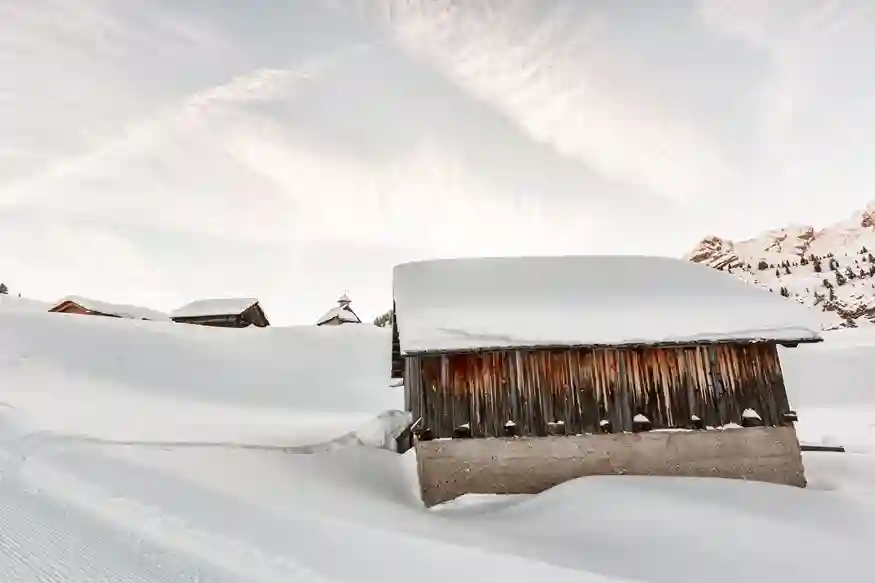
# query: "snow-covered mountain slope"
{"type": "Point", "coordinates": [832, 269]}
{"type": "Point", "coordinates": [120, 460]}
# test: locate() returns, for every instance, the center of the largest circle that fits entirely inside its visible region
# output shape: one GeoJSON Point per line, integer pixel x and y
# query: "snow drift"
{"type": "Point", "coordinates": [132, 381]}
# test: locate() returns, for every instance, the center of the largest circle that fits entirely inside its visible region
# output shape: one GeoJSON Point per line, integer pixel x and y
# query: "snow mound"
{"type": "Point", "coordinates": [583, 300]}
{"type": "Point", "coordinates": [137, 381]}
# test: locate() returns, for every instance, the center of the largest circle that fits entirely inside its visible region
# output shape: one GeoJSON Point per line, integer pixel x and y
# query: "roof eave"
{"type": "Point", "coordinates": [213, 317]}
{"type": "Point", "coordinates": [790, 343]}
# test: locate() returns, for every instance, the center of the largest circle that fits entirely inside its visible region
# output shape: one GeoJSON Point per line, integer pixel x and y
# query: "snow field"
{"type": "Point", "coordinates": [121, 460]}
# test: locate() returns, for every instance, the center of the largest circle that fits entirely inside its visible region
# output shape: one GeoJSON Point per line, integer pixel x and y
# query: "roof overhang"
{"type": "Point", "coordinates": [792, 343]}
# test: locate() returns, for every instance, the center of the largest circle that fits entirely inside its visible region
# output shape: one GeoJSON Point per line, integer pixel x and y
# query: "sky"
{"type": "Point", "coordinates": [154, 152]}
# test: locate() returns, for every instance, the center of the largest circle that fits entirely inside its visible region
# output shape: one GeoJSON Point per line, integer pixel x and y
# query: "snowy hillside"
{"type": "Point", "coordinates": [115, 379]}
{"type": "Point", "coordinates": [146, 451]}
{"type": "Point", "coordinates": [15, 303]}
{"type": "Point", "coordinates": [832, 269]}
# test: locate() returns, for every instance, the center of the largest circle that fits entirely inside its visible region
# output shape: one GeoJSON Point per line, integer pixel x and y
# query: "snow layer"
{"type": "Point", "coordinates": [120, 310]}
{"type": "Point", "coordinates": [213, 307]}
{"type": "Point", "coordinates": [585, 300]}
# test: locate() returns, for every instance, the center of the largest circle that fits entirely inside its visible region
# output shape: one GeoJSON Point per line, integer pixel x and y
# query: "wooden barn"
{"type": "Point", "coordinates": [222, 313]}
{"type": "Point", "coordinates": [89, 307]}
{"type": "Point", "coordinates": [571, 346]}
{"type": "Point", "coordinates": [340, 314]}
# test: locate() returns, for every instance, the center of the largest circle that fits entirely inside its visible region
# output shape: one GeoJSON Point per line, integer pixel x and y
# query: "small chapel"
{"type": "Point", "coordinates": [342, 313]}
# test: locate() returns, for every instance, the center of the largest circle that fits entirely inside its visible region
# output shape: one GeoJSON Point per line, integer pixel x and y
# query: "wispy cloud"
{"type": "Point", "coordinates": [145, 135]}
{"type": "Point", "coordinates": [814, 101]}
{"type": "Point", "coordinates": [544, 70]}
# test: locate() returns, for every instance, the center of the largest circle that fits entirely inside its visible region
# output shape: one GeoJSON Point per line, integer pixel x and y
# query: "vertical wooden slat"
{"type": "Point", "coordinates": [583, 386]}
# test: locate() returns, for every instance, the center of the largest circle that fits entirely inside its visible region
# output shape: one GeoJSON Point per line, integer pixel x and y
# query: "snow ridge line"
{"type": "Point", "coordinates": [391, 423]}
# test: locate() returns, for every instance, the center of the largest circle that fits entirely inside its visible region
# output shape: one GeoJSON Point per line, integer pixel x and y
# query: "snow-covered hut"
{"type": "Point", "coordinates": [223, 313]}
{"type": "Point", "coordinates": [540, 346]}
{"type": "Point", "coordinates": [340, 314]}
{"type": "Point", "coordinates": [90, 307]}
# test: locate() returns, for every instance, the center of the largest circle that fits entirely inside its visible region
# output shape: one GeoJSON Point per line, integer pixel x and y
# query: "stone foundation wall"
{"type": "Point", "coordinates": [452, 467]}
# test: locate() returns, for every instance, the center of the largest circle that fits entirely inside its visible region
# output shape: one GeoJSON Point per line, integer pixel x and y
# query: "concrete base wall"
{"type": "Point", "coordinates": [453, 467]}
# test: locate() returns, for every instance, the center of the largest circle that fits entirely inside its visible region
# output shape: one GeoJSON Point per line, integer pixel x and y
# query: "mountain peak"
{"type": "Point", "coordinates": [831, 268]}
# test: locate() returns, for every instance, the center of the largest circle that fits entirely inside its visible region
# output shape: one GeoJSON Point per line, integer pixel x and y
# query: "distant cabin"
{"type": "Point", "coordinates": [89, 307]}
{"type": "Point", "coordinates": [222, 313]}
{"type": "Point", "coordinates": [342, 313]}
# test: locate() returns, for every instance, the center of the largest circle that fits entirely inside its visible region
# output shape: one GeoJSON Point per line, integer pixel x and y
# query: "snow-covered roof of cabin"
{"type": "Point", "coordinates": [120, 310]}
{"type": "Point", "coordinates": [343, 313]}
{"type": "Point", "coordinates": [463, 304]}
{"type": "Point", "coordinates": [214, 307]}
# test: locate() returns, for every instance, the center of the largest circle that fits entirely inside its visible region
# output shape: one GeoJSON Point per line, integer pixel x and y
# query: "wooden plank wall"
{"type": "Point", "coordinates": [582, 387]}
{"type": "Point", "coordinates": [397, 359]}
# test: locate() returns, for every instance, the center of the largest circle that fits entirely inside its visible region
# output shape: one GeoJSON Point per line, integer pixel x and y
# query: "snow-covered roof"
{"type": "Point", "coordinates": [120, 310]}
{"type": "Point", "coordinates": [462, 304]}
{"type": "Point", "coordinates": [343, 313]}
{"type": "Point", "coordinates": [214, 307]}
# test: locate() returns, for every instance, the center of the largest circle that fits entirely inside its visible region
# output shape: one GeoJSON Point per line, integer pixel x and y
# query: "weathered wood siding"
{"type": "Point", "coordinates": [70, 308]}
{"type": "Point", "coordinates": [397, 359]}
{"type": "Point", "coordinates": [254, 315]}
{"type": "Point", "coordinates": [583, 387]}
{"type": "Point", "coordinates": [232, 321]}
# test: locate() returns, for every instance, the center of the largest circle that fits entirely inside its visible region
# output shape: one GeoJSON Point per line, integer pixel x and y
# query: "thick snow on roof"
{"type": "Point", "coordinates": [213, 307]}
{"type": "Point", "coordinates": [460, 304]}
{"type": "Point", "coordinates": [121, 310]}
{"type": "Point", "coordinates": [343, 313]}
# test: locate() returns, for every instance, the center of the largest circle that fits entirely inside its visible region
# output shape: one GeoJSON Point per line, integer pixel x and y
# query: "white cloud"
{"type": "Point", "coordinates": [542, 75]}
